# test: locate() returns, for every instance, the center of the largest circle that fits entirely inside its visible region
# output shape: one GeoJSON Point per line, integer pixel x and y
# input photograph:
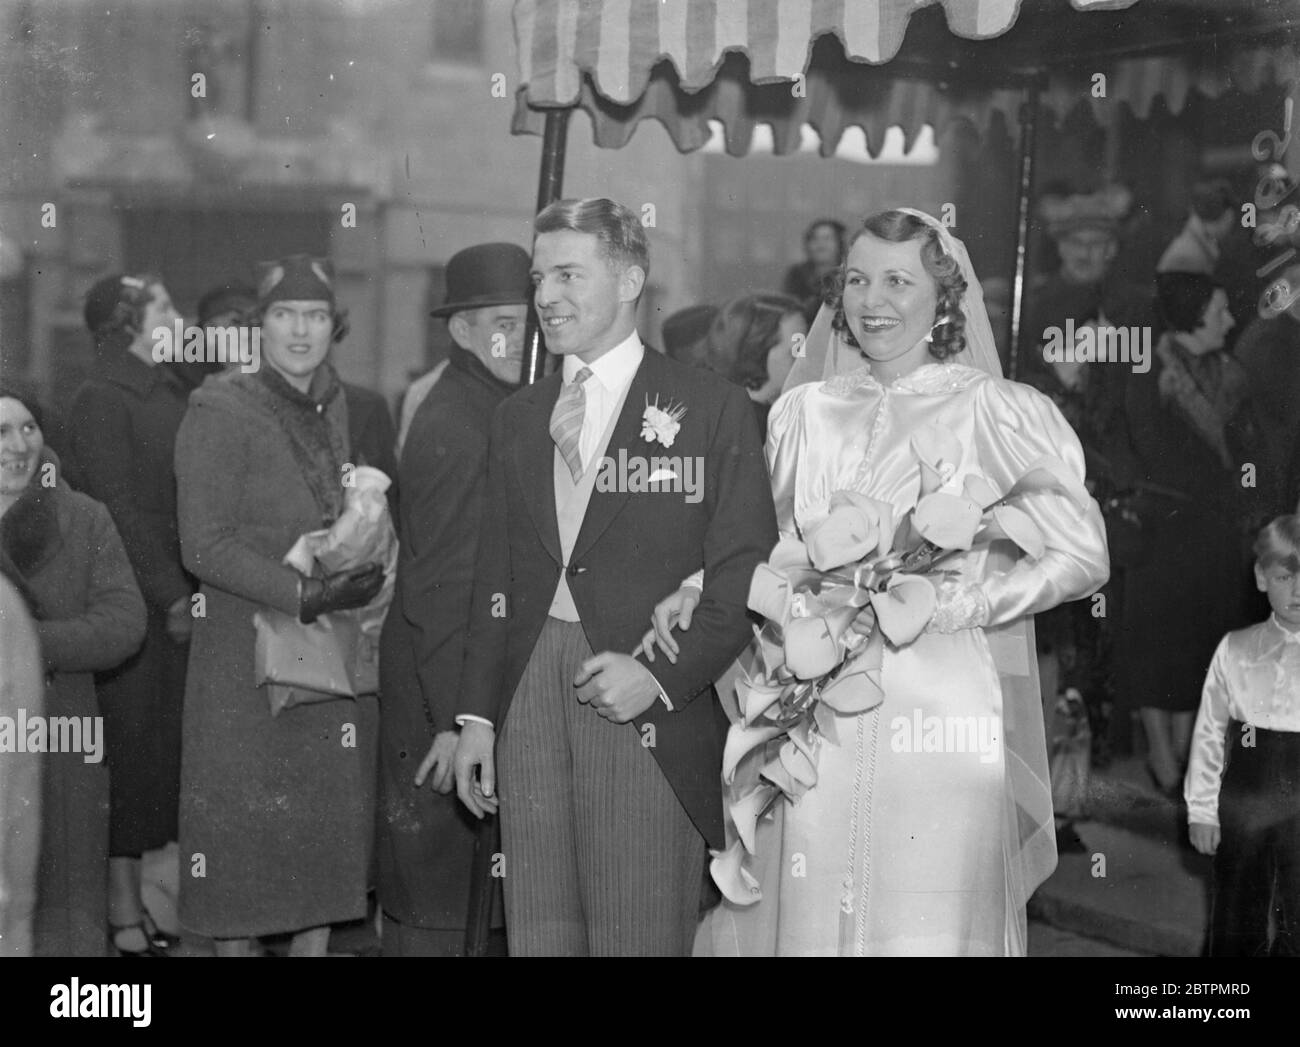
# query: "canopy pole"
{"type": "Point", "coordinates": [487, 841]}
{"type": "Point", "coordinates": [550, 184]}
{"type": "Point", "coordinates": [1029, 115]}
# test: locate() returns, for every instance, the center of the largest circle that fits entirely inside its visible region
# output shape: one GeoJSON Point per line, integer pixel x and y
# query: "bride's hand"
{"type": "Point", "coordinates": [675, 610]}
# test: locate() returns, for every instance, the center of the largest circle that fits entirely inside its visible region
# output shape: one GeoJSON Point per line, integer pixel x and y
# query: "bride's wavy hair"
{"type": "Point", "coordinates": [949, 336]}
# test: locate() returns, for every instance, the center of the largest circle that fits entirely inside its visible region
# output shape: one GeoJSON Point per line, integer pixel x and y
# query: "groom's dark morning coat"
{"type": "Point", "coordinates": [633, 550]}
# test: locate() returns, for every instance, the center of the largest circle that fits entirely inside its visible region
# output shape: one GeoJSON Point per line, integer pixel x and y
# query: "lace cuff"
{"type": "Point", "coordinates": [959, 607]}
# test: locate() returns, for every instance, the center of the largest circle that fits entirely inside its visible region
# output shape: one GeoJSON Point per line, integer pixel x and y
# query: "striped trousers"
{"type": "Point", "coordinates": [601, 859]}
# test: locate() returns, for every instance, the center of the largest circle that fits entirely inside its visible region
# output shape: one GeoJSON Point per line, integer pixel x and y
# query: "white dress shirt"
{"type": "Point", "coordinates": [1254, 678]}
{"type": "Point", "coordinates": [611, 374]}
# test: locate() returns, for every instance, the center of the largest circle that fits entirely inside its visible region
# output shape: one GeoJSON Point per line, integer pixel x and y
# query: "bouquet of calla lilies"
{"type": "Point", "coordinates": [811, 667]}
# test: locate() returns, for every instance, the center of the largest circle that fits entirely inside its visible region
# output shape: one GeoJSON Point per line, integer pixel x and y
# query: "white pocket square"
{"type": "Point", "coordinates": [662, 474]}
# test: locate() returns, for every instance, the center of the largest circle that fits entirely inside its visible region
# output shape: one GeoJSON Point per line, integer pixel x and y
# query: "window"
{"type": "Point", "coordinates": [457, 32]}
{"type": "Point", "coordinates": [197, 248]}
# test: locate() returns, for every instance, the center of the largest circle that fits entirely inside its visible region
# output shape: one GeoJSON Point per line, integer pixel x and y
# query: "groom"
{"type": "Point", "coordinates": [606, 774]}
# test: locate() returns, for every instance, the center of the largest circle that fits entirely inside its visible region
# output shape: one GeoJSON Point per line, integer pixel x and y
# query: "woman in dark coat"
{"type": "Point", "coordinates": [1193, 429]}
{"type": "Point", "coordinates": [276, 812]}
{"type": "Point", "coordinates": [1075, 643]}
{"type": "Point", "coordinates": [89, 617]}
{"type": "Point", "coordinates": [123, 427]}
{"type": "Point", "coordinates": [22, 692]}
{"type": "Point", "coordinates": [1091, 397]}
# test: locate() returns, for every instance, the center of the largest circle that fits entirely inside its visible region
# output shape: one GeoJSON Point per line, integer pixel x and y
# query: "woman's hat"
{"type": "Point", "coordinates": [296, 278]}
{"type": "Point", "coordinates": [110, 299]}
{"type": "Point", "coordinates": [1104, 210]}
{"type": "Point", "coordinates": [484, 275]}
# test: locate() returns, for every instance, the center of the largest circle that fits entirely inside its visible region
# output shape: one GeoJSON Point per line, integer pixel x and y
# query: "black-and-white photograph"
{"type": "Point", "coordinates": [650, 478]}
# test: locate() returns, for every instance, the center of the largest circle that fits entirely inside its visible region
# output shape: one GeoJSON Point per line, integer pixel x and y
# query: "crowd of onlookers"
{"type": "Point", "coordinates": [144, 523]}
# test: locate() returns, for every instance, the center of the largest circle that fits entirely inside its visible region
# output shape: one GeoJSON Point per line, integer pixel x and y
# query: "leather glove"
{"type": "Point", "coordinates": [340, 591]}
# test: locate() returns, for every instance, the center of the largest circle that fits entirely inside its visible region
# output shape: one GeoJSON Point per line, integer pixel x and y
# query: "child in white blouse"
{"type": "Point", "coordinates": [1243, 781]}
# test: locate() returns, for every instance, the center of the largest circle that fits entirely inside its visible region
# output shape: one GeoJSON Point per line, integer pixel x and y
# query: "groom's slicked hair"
{"type": "Point", "coordinates": [622, 238]}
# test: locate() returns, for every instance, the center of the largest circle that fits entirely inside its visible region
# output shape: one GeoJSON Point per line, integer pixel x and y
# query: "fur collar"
{"type": "Point", "coordinates": [315, 425]}
{"type": "Point", "coordinates": [29, 531]}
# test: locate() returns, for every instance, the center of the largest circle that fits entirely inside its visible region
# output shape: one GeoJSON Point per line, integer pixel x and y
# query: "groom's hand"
{"type": "Point", "coordinates": [474, 753]}
{"type": "Point", "coordinates": [617, 686]}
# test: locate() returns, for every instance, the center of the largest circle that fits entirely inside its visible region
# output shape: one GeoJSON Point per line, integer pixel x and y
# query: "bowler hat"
{"type": "Point", "coordinates": [484, 275]}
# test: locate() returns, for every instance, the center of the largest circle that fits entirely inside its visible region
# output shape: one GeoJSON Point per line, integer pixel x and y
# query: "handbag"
{"type": "Point", "coordinates": [304, 664]}
{"type": "Point", "coordinates": [337, 656]}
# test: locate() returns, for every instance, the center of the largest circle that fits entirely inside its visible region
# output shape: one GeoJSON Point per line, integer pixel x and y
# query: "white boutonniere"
{"type": "Point", "coordinates": [661, 423]}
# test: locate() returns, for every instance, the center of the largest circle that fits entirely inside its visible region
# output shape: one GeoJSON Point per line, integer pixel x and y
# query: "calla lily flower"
{"type": "Point", "coordinates": [798, 764]}
{"type": "Point", "coordinates": [858, 688]}
{"type": "Point", "coordinates": [851, 693]}
{"type": "Point", "coordinates": [755, 697]}
{"type": "Point", "coordinates": [732, 878]}
{"type": "Point", "coordinates": [769, 593]}
{"type": "Point", "coordinates": [775, 772]}
{"type": "Point", "coordinates": [745, 813]}
{"type": "Point", "coordinates": [743, 739]}
{"type": "Point", "coordinates": [979, 490]}
{"type": "Point", "coordinates": [1051, 474]}
{"type": "Point", "coordinates": [844, 537]}
{"type": "Point", "coordinates": [947, 520]}
{"type": "Point", "coordinates": [904, 608]}
{"type": "Point", "coordinates": [879, 512]}
{"type": "Point", "coordinates": [810, 648]}
{"type": "Point", "coordinates": [939, 452]}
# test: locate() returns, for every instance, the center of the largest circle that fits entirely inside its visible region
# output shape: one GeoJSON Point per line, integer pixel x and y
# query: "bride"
{"type": "Point", "coordinates": [899, 849]}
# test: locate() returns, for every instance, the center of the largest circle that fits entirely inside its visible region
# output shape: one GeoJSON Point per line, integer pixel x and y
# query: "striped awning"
{"type": "Point", "coordinates": [686, 63]}
{"type": "Point", "coordinates": [618, 42]}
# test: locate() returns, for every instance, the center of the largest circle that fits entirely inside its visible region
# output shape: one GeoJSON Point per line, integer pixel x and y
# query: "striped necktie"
{"type": "Point", "coordinates": [566, 422]}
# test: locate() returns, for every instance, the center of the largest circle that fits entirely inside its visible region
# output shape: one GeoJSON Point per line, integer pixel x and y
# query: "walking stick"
{"type": "Point", "coordinates": [478, 924]}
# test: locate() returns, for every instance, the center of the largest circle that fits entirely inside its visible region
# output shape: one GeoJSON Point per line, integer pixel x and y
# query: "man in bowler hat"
{"type": "Point", "coordinates": [426, 838]}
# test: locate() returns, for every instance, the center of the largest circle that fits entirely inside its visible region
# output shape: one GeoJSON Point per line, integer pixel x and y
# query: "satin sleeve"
{"type": "Point", "coordinates": [1015, 426]}
{"type": "Point", "coordinates": [1205, 765]}
{"type": "Point", "coordinates": [785, 425]}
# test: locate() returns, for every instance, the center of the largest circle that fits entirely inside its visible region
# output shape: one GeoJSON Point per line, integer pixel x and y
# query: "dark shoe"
{"type": "Point", "coordinates": [158, 937]}
{"type": "Point", "coordinates": [150, 949]}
